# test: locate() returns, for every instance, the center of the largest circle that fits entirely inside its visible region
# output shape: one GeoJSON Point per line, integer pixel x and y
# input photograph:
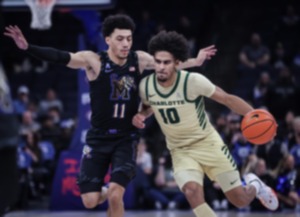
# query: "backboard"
{"type": "Point", "coordinates": [80, 4]}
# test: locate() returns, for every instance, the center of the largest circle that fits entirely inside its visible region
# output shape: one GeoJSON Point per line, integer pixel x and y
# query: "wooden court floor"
{"type": "Point", "coordinates": [146, 214]}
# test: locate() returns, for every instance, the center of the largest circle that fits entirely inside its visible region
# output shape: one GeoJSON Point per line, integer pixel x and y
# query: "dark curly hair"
{"type": "Point", "coordinates": [119, 21]}
{"type": "Point", "coordinates": [172, 42]}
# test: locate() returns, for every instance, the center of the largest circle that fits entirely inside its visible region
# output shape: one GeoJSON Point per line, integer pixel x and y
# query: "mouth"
{"type": "Point", "coordinates": [124, 52]}
{"type": "Point", "coordinates": [161, 73]}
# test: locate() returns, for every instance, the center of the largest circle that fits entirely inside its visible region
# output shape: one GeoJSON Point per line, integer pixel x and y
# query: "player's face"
{"type": "Point", "coordinates": [120, 42]}
{"type": "Point", "coordinates": [165, 66]}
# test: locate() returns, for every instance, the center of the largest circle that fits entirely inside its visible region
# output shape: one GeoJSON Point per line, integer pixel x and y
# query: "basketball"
{"type": "Point", "coordinates": [259, 126]}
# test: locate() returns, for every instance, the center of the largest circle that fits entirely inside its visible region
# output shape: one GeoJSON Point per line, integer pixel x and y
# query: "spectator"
{"type": "Point", "coordinates": [261, 89]}
{"type": "Point", "coordinates": [283, 95]}
{"type": "Point", "coordinates": [295, 142]}
{"type": "Point", "coordinates": [285, 129]}
{"type": "Point", "coordinates": [254, 57]}
{"type": "Point", "coordinates": [272, 153]}
{"type": "Point", "coordinates": [280, 59]}
{"type": "Point", "coordinates": [241, 150]}
{"type": "Point", "coordinates": [21, 104]}
{"type": "Point", "coordinates": [286, 184]}
{"type": "Point", "coordinates": [289, 29]}
{"type": "Point", "coordinates": [28, 125]}
{"type": "Point", "coordinates": [144, 158]}
{"type": "Point", "coordinates": [50, 102]}
{"type": "Point", "coordinates": [234, 125]}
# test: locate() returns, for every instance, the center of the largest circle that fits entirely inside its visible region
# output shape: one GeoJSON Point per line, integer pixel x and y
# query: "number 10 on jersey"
{"type": "Point", "coordinates": [119, 110]}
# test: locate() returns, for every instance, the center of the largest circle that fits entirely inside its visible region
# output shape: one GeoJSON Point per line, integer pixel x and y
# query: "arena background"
{"type": "Point", "coordinates": [55, 135]}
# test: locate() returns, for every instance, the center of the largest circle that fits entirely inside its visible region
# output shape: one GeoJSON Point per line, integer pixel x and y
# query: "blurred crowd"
{"type": "Point", "coordinates": [268, 77]}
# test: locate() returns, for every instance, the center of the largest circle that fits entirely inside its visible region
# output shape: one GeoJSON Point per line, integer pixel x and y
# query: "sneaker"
{"type": "Point", "coordinates": [103, 194]}
{"type": "Point", "coordinates": [265, 194]}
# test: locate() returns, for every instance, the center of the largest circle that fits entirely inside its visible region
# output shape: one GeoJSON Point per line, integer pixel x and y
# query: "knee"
{"type": "Point", "coordinates": [192, 189]}
{"type": "Point", "coordinates": [115, 195]}
{"type": "Point", "coordinates": [89, 201]}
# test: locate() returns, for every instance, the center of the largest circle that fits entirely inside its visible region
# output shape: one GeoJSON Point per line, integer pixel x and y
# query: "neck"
{"type": "Point", "coordinates": [169, 82]}
{"type": "Point", "coordinates": [115, 59]}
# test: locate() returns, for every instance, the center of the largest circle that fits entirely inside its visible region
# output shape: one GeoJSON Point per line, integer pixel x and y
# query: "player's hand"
{"type": "Point", "coordinates": [16, 34]}
{"type": "Point", "coordinates": [206, 54]}
{"type": "Point", "coordinates": [138, 121]}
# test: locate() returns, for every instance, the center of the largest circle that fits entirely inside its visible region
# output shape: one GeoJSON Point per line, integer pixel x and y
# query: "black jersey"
{"type": "Point", "coordinates": [114, 95]}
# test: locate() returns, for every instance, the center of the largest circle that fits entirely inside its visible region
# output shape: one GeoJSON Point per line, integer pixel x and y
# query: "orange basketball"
{"type": "Point", "coordinates": [259, 126]}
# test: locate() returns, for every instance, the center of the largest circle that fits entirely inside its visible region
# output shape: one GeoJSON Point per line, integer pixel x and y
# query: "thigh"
{"type": "Point", "coordinates": [93, 168]}
{"type": "Point", "coordinates": [184, 160]}
{"type": "Point", "coordinates": [221, 162]}
{"type": "Point", "coordinates": [124, 161]}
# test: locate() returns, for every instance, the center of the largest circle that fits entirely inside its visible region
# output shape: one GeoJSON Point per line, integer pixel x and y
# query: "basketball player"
{"type": "Point", "coordinates": [9, 138]}
{"type": "Point", "coordinates": [176, 98]}
{"type": "Point", "coordinates": [113, 77]}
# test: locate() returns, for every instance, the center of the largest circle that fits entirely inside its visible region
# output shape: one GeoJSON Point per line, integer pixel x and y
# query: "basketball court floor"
{"type": "Point", "coordinates": [147, 214]}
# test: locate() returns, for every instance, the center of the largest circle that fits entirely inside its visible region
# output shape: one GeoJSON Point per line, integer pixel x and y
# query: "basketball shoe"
{"type": "Point", "coordinates": [264, 193]}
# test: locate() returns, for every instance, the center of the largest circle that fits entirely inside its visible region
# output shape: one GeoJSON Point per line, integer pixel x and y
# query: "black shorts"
{"type": "Point", "coordinates": [115, 152]}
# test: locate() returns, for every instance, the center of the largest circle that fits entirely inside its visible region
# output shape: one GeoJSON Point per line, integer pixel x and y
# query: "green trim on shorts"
{"type": "Point", "coordinates": [229, 156]}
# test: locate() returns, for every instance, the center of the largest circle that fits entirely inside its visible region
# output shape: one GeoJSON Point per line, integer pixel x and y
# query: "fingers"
{"type": "Point", "coordinates": [8, 34]}
{"type": "Point", "coordinates": [210, 50]}
{"type": "Point", "coordinates": [18, 30]}
{"type": "Point", "coordinates": [138, 121]}
{"type": "Point", "coordinates": [10, 30]}
{"type": "Point", "coordinates": [209, 47]}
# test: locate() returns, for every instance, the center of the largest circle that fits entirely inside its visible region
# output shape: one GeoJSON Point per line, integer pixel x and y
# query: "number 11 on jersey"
{"type": "Point", "coordinates": [119, 111]}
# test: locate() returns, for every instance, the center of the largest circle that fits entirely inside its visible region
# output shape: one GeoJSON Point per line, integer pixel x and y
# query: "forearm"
{"type": "Point", "coordinates": [49, 54]}
{"type": "Point", "coordinates": [146, 111]}
{"type": "Point", "coordinates": [192, 62]}
{"type": "Point", "coordinates": [238, 105]}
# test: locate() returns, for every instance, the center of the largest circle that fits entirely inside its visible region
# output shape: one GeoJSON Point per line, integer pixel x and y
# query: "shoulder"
{"type": "Point", "coordinates": [145, 80]}
{"type": "Point", "coordinates": [196, 77]}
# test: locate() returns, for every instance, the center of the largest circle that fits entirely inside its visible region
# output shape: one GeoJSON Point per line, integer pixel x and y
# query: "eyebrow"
{"type": "Point", "coordinates": [124, 36]}
{"type": "Point", "coordinates": [164, 61]}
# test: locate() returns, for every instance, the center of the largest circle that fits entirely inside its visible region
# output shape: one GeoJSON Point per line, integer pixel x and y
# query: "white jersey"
{"type": "Point", "coordinates": [180, 109]}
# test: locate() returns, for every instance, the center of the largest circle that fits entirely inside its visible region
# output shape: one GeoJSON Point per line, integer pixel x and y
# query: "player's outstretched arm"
{"type": "Point", "coordinates": [235, 103]}
{"type": "Point", "coordinates": [77, 60]}
{"type": "Point", "coordinates": [146, 61]}
{"type": "Point", "coordinates": [204, 54]}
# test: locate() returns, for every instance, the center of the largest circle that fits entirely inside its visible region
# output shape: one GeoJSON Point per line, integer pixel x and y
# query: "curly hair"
{"type": "Point", "coordinates": [119, 21]}
{"type": "Point", "coordinates": [172, 42]}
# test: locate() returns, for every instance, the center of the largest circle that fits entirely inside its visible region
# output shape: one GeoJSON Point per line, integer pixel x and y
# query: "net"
{"type": "Point", "coordinates": [41, 13]}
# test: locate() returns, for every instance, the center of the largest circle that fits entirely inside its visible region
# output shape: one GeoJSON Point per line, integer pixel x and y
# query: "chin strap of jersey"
{"type": "Point", "coordinates": [49, 54]}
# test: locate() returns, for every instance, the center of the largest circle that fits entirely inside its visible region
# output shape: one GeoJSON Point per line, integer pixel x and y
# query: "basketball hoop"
{"type": "Point", "coordinates": [41, 13]}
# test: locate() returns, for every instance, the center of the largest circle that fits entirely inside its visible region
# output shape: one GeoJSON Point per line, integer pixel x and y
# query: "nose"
{"type": "Point", "coordinates": [161, 66]}
{"type": "Point", "coordinates": [126, 43]}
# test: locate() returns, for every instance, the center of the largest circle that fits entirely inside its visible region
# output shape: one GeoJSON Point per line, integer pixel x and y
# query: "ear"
{"type": "Point", "coordinates": [107, 40]}
{"type": "Point", "coordinates": [177, 62]}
